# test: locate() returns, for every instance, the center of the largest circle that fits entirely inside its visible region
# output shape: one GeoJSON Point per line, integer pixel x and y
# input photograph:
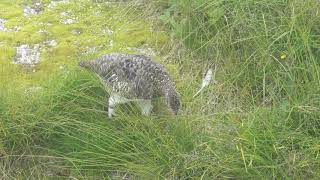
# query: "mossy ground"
{"type": "Point", "coordinates": [34, 100]}
{"type": "Point", "coordinates": [92, 22]}
{"type": "Point", "coordinates": [260, 120]}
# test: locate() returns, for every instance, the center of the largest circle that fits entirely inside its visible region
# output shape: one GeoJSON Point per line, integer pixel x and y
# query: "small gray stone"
{"type": "Point", "coordinates": [33, 89]}
{"type": "Point", "coordinates": [30, 11]}
{"type": "Point", "coordinates": [67, 18]}
{"type": "Point", "coordinates": [16, 28]}
{"type": "Point", "coordinates": [76, 31]}
{"type": "Point", "coordinates": [65, 13]}
{"type": "Point", "coordinates": [43, 31]}
{"type": "Point", "coordinates": [27, 55]}
{"type": "Point", "coordinates": [89, 50]}
{"type": "Point", "coordinates": [111, 43]}
{"type": "Point", "coordinates": [144, 51]}
{"type": "Point", "coordinates": [33, 9]}
{"type": "Point", "coordinates": [69, 21]}
{"type": "Point", "coordinates": [108, 31]}
{"type": "Point", "coordinates": [54, 4]}
{"type": "Point", "coordinates": [51, 43]}
{"type": "Point", "coordinates": [2, 25]}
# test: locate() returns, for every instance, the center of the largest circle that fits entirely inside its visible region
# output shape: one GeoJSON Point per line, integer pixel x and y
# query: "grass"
{"type": "Point", "coordinates": [260, 120]}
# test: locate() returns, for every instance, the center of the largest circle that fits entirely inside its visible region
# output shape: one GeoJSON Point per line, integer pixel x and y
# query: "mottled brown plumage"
{"type": "Point", "coordinates": [135, 77]}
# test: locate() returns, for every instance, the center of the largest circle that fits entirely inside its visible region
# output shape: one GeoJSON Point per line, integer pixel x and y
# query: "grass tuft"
{"type": "Point", "coordinates": [259, 120]}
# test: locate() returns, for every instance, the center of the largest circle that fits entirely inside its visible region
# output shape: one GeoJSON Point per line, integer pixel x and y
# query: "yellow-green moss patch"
{"type": "Point", "coordinates": [98, 29]}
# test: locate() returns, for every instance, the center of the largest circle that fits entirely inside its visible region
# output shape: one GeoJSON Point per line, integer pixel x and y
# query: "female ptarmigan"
{"type": "Point", "coordinates": [134, 78]}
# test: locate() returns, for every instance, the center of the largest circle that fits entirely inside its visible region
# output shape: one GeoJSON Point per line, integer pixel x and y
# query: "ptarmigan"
{"type": "Point", "coordinates": [134, 78]}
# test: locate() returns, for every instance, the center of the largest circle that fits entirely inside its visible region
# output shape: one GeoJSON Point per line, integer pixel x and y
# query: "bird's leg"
{"type": "Point", "coordinates": [145, 105]}
{"type": "Point", "coordinates": [111, 107]}
{"type": "Point", "coordinates": [114, 100]}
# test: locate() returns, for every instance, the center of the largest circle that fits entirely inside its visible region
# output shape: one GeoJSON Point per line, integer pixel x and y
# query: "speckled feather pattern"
{"type": "Point", "coordinates": [135, 76]}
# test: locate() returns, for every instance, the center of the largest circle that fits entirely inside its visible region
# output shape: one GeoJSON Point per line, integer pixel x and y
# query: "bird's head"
{"type": "Point", "coordinates": [173, 100]}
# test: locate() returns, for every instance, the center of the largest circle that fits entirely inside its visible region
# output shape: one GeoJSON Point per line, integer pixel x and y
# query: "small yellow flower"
{"type": "Point", "coordinates": [283, 56]}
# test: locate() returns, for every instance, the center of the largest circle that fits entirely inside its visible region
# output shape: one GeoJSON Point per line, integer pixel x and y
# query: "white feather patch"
{"type": "Point", "coordinates": [205, 82]}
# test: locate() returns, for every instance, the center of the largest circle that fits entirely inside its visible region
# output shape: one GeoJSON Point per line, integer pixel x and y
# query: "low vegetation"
{"type": "Point", "coordinates": [259, 118]}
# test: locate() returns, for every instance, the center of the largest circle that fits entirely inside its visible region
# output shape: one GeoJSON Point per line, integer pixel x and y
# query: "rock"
{"type": "Point", "coordinates": [76, 31]}
{"type": "Point", "coordinates": [16, 28]}
{"type": "Point", "coordinates": [111, 43]}
{"type": "Point", "coordinates": [43, 31]}
{"type": "Point", "coordinates": [67, 18]}
{"type": "Point", "coordinates": [33, 9]}
{"type": "Point", "coordinates": [89, 50]}
{"type": "Point", "coordinates": [2, 25]}
{"type": "Point", "coordinates": [54, 4]}
{"type": "Point", "coordinates": [51, 43]}
{"type": "Point", "coordinates": [33, 89]}
{"type": "Point", "coordinates": [30, 55]}
{"type": "Point", "coordinates": [30, 11]}
{"type": "Point", "coordinates": [69, 21]}
{"type": "Point", "coordinates": [145, 51]}
{"type": "Point", "coordinates": [27, 55]}
{"type": "Point", "coordinates": [108, 31]}
{"type": "Point", "coordinates": [64, 13]}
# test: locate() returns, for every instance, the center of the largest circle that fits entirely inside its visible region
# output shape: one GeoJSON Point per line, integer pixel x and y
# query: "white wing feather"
{"type": "Point", "coordinates": [205, 81]}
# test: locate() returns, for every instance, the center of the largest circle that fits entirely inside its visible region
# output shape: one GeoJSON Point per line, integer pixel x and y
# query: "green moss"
{"type": "Point", "coordinates": [16, 22]}
{"type": "Point", "coordinates": [7, 53]}
{"type": "Point", "coordinates": [135, 34]}
{"type": "Point", "coordinates": [91, 20]}
{"type": "Point", "coordinates": [10, 9]}
{"type": "Point", "coordinates": [6, 37]}
{"type": "Point", "coordinates": [27, 38]}
{"type": "Point", "coordinates": [173, 70]}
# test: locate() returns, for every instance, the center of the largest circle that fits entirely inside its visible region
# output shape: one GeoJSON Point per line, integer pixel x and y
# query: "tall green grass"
{"type": "Point", "coordinates": [267, 59]}
{"type": "Point", "coordinates": [251, 37]}
{"type": "Point", "coordinates": [260, 120]}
